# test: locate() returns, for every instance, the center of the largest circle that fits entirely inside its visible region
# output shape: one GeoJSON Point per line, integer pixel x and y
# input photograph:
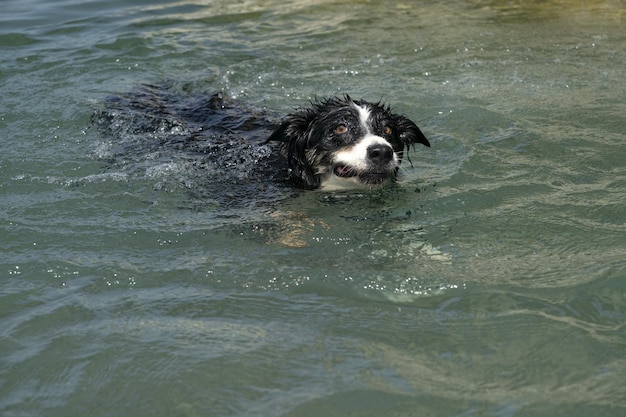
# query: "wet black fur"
{"type": "Point", "coordinates": [235, 150]}
{"type": "Point", "coordinates": [309, 131]}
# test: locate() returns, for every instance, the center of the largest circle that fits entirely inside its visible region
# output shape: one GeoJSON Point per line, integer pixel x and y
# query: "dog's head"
{"type": "Point", "coordinates": [340, 143]}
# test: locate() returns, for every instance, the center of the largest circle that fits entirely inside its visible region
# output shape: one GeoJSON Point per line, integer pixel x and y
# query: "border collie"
{"type": "Point", "coordinates": [224, 150]}
{"type": "Point", "coordinates": [342, 143]}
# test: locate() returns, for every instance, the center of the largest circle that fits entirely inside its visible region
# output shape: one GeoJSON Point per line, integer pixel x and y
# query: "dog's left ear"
{"type": "Point", "coordinates": [409, 133]}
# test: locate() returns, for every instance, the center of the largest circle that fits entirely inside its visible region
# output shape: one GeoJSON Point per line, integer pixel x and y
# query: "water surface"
{"type": "Point", "coordinates": [489, 281]}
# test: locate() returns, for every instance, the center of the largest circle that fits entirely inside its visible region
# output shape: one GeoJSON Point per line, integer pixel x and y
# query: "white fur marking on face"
{"type": "Point", "coordinates": [334, 183]}
{"type": "Point", "coordinates": [364, 116]}
{"type": "Point", "coordinates": [356, 156]}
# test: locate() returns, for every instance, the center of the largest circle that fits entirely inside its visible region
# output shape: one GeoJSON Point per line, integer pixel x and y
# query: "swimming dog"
{"type": "Point", "coordinates": [223, 149]}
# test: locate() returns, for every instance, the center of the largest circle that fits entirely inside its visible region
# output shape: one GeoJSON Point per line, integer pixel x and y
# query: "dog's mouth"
{"type": "Point", "coordinates": [345, 171]}
{"type": "Point", "coordinates": [366, 177]}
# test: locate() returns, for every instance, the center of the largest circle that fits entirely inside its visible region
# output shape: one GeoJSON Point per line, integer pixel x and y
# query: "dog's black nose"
{"type": "Point", "coordinates": [379, 153]}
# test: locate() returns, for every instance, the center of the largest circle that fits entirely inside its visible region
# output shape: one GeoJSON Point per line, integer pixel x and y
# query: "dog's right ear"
{"type": "Point", "coordinates": [294, 133]}
{"type": "Point", "coordinates": [280, 134]}
{"type": "Point", "coordinates": [292, 127]}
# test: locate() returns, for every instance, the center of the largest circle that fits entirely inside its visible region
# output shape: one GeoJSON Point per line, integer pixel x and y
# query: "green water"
{"type": "Point", "coordinates": [490, 282]}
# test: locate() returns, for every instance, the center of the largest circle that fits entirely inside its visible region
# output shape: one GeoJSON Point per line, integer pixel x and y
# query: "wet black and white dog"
{"type": "Point", "coordinates": [342, 143]}
{"type": "Point", "coordinates": [225, 150]}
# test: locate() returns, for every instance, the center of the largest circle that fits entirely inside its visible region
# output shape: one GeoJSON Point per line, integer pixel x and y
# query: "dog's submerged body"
{"type": "Point", "coordinates": [334, 143]}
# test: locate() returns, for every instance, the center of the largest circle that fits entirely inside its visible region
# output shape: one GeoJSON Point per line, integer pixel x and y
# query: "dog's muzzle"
{"type": "Point", "coordinates": [379, 154]}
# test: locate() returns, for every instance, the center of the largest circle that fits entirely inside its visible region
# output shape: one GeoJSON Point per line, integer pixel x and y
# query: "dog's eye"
{"type": "Point", "coordinates": [341, 129]}
{"type": "Point", "coordinates": [387, 130]}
